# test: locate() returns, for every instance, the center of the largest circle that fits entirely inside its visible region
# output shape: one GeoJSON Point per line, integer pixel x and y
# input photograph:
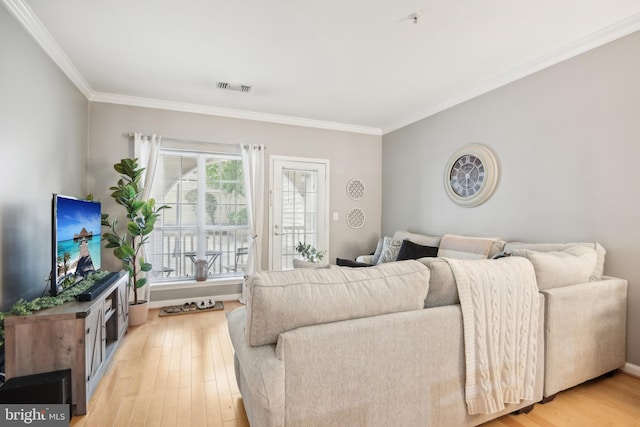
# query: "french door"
{"type": "Point", "coordinates": [298, 211]}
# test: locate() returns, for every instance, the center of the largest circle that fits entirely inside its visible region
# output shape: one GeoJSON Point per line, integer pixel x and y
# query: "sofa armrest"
{"type": "Point", "coordinates": [259, 373]}
{"type": "Point", "coordinates": [585, 332]}
{"type": "Point", "coordinates": [367, 259]}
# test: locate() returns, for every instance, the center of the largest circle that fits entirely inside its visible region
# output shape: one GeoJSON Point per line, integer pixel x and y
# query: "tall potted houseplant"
{"type": "Point", "coordinates": [127, 245]}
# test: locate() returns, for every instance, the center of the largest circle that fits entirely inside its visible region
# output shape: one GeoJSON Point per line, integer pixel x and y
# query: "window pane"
{"type": "Point", "coordinates": [223, 240]}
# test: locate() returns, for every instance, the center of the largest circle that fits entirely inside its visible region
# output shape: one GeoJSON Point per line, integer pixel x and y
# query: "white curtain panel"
{"type": "Point", "coordinates": [253, 167]}
{"type": "Point", "coordinates": [145, 149]}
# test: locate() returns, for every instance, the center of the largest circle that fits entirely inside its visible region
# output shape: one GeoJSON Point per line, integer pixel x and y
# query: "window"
{"type": "Point", "coordinates": [207, 219]}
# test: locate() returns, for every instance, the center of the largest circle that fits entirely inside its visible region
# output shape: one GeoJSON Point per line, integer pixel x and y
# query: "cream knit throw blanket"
{"type": "Point", "coordinates": [499, 301]}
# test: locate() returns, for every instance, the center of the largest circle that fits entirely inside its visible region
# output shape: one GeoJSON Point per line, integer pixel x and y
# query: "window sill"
{"type": "Point", "coordinates": [186, 284]}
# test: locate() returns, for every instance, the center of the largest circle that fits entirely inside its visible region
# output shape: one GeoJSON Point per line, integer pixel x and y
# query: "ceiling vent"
{"type": "Point", "coordinates": [236, 87]}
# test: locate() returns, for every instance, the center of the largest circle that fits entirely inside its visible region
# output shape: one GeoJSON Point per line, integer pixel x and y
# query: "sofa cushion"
{"type": "Point", "coordinates": [378, 251]}
{"type": "Point", "coordinates": [443, 289]}
{"type": "Point", "coordinates": [561, 268]}
{"type": "Point", "coordinates": [280, 301]}
{"type": "Point", "coordinates": [390, 250]}
{"type": "Point", "coordinates": [411, 250]}
{"type": "Point", "coordinates": [465, 247]}
{"type": "Point", "coordinates": [421, 239]}
{"type": "Point", "coordinates": [547, 247]}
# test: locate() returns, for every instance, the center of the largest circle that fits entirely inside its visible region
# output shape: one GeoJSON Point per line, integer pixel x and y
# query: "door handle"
{"type": "Point", "coordinates": [275, 232]}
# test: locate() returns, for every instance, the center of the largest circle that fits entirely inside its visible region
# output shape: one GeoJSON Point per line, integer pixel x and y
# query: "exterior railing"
{"type": "Point", "coordinates": [173, 252]}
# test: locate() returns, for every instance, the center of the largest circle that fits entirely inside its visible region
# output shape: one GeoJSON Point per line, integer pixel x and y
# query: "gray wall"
{"type": "Point", "coordinates": [43, 131]}
{"type": "Point", "coordinates": [568, 143]}
{"type": "Point", "coordinates": [351, 156]}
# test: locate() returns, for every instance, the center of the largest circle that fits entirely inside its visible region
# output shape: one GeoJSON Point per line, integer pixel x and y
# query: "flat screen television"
{"type": "Point", "coordinates": [75, 241]}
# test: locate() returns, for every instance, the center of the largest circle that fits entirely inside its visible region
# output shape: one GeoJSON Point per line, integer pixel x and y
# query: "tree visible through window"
{"type": "Point", "coordinates": [215, 229]}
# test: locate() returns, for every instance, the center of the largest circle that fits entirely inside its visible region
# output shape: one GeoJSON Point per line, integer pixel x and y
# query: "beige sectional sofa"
{"type": "Point", "coordinates": [386, 345]}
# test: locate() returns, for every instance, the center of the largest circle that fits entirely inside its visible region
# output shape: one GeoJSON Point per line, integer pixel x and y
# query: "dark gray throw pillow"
{"type": "Point", "coordinates": [349, 263]}
{"type": "Point", "coordinates": [410, 250]}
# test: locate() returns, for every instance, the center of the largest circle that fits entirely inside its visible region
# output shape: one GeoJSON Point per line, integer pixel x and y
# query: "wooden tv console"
{"type": "Point", "coordinates": [81, 336]}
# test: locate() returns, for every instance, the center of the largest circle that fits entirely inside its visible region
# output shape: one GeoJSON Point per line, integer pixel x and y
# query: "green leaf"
{"type": "Point", "coordinates": [120, 254]}
{"type": "Point", "coordinates": [146, 209]}
{"type": "Point", "coordinates": [130, 192]}
{"type": "Point", "coordinates": [136, 205]}
{"type": "Point", "coordinates": [141, 282]}
{"type": "Point", "coordinates": [133, 228]}
{"type": "Point", "coordinates": [147, 230]}
{"type": "Point", "coordinates": [145, 266]}
{"type": "Point", "coordinates": [127, 249]}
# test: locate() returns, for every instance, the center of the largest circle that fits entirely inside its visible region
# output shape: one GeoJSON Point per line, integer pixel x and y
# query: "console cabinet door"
{"type": "Point", "coordinates": [94, 342]}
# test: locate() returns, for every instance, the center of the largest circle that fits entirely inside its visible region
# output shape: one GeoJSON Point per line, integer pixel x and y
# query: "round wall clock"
{"type": "Point", "coordinates": [471, 175]}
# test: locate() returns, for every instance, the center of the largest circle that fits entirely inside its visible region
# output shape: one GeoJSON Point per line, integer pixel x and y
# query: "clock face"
{"type": "Point", "coordinates": [467, 175]}
{"type": "Point", "coordinates": [471, 175]}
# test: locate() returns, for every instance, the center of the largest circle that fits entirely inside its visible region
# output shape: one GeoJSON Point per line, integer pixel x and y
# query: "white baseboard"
{"type": "Point", "coordinates": [164, 303]}
{"type": "Point", "coordinates": [631, 369]}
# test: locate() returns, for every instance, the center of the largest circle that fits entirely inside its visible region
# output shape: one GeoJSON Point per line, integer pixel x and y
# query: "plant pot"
{"type": "Point", "coordinates": [202, 268]}
{"type": "Point", "coordinates": [138, 313]}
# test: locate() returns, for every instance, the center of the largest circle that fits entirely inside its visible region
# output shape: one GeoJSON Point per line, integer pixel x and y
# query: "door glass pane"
{"type": "Point", "coordinates": [299, 212]}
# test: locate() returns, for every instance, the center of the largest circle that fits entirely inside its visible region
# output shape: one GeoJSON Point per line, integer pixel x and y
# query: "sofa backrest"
{"type": "Point", "coordinates": [467, 247]}
{"type": "Point", "coordinates": [515, 248]}
{"type": "Point", "coordinates": [420, 239]}
{"type": "Point", "coordinates": [555, 264]}
{"type": "Point", "coordinates": [280, 301]}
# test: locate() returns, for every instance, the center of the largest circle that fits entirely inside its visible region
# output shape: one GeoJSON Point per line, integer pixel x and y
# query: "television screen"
{"type": "Point", "coordinates": [76, 241]}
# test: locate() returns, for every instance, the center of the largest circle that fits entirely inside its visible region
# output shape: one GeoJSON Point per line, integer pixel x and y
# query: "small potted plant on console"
{"type": "Point", "coordinates": [311, 257]}
{"type": "Point", "coordinates": [141, 218]}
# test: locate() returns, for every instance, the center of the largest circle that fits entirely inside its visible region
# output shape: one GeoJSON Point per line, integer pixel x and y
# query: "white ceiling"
{"type": "Point", "coordinates": [354, 65]}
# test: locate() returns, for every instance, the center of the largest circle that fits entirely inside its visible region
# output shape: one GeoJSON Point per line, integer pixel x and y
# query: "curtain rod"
{"type": "Point", "coordinates": [191, 141]}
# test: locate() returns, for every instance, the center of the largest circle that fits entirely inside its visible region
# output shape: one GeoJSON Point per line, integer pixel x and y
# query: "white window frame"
{"type": "Point", "coordinates": [182, 282]}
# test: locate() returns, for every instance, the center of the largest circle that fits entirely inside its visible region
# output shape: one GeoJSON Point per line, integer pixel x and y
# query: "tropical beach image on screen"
{"type": "Point", "coordinates": [77, 239]}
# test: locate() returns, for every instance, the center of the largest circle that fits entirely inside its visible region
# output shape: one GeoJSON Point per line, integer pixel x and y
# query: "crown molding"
{"type": "Point", "coordinates": [229, 112]}
{"type": "Point", "coordinates": [597, 39]}
{"type": "Point", "coordinates": [32, 24]}
{"type": "Point", "coordinates": [34, 27]}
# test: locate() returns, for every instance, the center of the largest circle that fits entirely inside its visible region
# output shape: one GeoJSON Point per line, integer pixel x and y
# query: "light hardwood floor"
{"type": "Point", "coordinates": [603, 402]}
{"type": "Point", "coordinates": [171, 371]}
{"type": "Point", "coordinates": [178, 371]}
